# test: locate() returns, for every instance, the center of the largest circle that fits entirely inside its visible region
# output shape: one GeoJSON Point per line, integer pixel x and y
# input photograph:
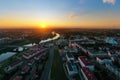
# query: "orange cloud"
{"type": "Point", "coordinates": [73, 15]}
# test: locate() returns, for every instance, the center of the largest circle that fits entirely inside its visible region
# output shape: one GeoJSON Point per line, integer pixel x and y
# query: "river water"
{"type": "Point", "coordinates": [7, 55]}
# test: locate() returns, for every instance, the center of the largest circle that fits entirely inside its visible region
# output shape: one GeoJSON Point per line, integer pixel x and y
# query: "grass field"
{"type": "Point", "coordinates": [57, 72]}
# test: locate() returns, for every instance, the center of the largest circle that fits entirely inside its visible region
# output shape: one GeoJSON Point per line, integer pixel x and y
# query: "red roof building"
{"type": "Point", "coordinates": [38, 56]}
{"type": "Point", "coordinates": [34, 52]}
{"type": "Point", "coordinates": [31, 61]}
{"type": "Point", "coordinates": [84, 62]}
{"type": "Point", "coordinates": [25, 69]}
{"type": "Point", "coordinates": [103, 59]}
{"type": "Point", "coordinates": [87, 74]}
{"type": "Point", "coordinates": [18, 78]}
{"type": "Point", "coordinates": [13, 66]}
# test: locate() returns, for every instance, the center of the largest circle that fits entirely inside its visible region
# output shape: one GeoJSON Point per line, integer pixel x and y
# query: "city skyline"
{"type": "Point", "coordinates": [60, 13]}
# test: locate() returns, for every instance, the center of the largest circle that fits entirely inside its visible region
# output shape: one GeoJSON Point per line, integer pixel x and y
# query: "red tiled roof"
{"type": "Point", "coordinates": [114, 51]}
{"type": "Point", "coordinates": [25, 68]}
{"type": "Point", "coordinates": [27, 54]}
{"type": "Point", "coordinates": [85, 61]}
{"type": "Point", "coordinates": [35, 52]}
{"type": "Point", "coordinates": [18, 78]}
{"type": "Point", "coordinates": [32, 60]}
{"type": "Point", "coordinates": [117, 59]}
{"type": "Point", "coordinates": [15, 63]}
{"type": "Point", "coordinates": [89, 74]}
{"type": "Point", "coordinates": [103, 57]}
{"type": "Point", "coordinates": [36, 47]}
{"type": "Point", "coordinates": [40, 53]}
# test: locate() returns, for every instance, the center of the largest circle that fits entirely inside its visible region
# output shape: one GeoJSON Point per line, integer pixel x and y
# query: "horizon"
{"type": "Point", "coordinates": [61, 28]}
{"type": "Point", "coordinates": [59, 14]}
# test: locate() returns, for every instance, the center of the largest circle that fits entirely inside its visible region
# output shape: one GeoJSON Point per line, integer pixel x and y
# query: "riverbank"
{"type": "Point", "coordinates": [18, 55]}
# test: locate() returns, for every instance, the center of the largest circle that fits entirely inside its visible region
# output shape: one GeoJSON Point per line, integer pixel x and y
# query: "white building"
{"type": "Point", "coordinates": [69, 56]}
{"type": "Point", "coordinates": [71, 68]}
{"type": "Point", "coordinates": [103, 59]}
{"type": "Point", "coordinates": [13, 66]}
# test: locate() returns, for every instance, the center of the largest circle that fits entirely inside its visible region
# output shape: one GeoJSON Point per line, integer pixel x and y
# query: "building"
{"type": "Point", "coordinates": [32, 53]}
{"type": "Point", "coordinates": [111, 40]}
{"type": "Point", "coordinates": [69, 56]}
{"type": "Point", "coordinates": [13, 66]}
{"type": "Point", "coordinates": [86, 74]}
{"type": "Point", "coordinates": [25, 69]}
{"type": "Point", "coordinates": [36, 48]}
{"type": "Point", "coordinates": [38, 56]}
{"type": "Point", "coordinates": [114, 69]}
{"type": "Point", "coordinates": [5, 40]}
{"type": "Point", "coordinates": [83, 41]}
{"type": "Point", "coordinates": [71, 68]}
{"type": "Point", "coordinates": [28, 55]}
{"type": "Point", "coordinates": [103, 59]}
{"type": "Point", "coordinates": [110, 66]}
{"type": "Point", "coordinates": [31, 62]}
{"type": "Point", "coordinates": [84, 62]}
{"type": "Point", "coordinates": [114, 54]}
{"type": "Point", "coordinates": [18, 78]}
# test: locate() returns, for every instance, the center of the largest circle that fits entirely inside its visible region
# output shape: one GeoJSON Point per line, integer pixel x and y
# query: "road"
{"type": "Point", "coordinates": [46, 72]}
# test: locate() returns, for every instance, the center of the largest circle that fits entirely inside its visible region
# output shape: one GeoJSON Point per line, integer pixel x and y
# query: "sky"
{"type": "Point", "coordinates": [60, 13]}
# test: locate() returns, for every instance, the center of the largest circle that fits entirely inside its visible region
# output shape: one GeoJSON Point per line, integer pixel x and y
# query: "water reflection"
{"type": "Point", "coordinates": [6, 55]}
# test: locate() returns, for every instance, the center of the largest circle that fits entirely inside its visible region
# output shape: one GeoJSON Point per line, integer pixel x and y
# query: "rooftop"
{"type": "Point", "coordinates": [70, 55]}
{"type": "Point", "coordinates": [103, 57]}
{"type": "Point", "coordinates": [114, 51]}
{"type": "Point", "coordinates": [38, 55]}
{"type": "Point", "coordinates": [85, 60]}
{"type": "Point", "coordinates": [31, 61]}
{"type": "Point", "coordinates": [25, 68]}
{"type": "Point", "coordinates": [89, 74]}
{"type": "Point", "coordinates": [15, 63]}
{"type": "Point", "coordinates": [72, 67]}
{"type": "Point", "coordinates": [18, 78]}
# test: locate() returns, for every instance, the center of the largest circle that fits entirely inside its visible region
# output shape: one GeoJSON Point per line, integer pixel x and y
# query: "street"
{"type": "Point", "coordinates": [46, 72]}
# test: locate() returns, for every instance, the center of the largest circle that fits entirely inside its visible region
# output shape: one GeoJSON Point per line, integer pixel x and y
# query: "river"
{"type": "Point", "coordinates": [7, 55]}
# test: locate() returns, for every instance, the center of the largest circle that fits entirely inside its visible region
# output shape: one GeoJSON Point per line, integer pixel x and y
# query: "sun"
{"type": "Point", "coordinates": [43, 25]}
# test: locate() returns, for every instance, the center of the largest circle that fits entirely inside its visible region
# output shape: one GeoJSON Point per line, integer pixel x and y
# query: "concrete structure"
{"type": "Point", "coordinates": [110, 65]}
{"type": "Point", "coordinates": [86, 74]}
{"type": "Point", "coordinates": [83, 41]}
{"type": "Point", "coordinates": [71, 68]}
{"type": "Point", "coordinates": [31, 62]}
{"type": "Point", "coordinates": [103, 59]}
{"type": "Point", "coordinates": [114, 69]}
{"type": "Point", "coordinates": [18, 78]}
{"type": "Point", "coordinates": [38, 56]}
{"type": "Point", "coordinates": [34, 52]}
{"type": "Point", "coordinates": [36, 48]}
{"type": "Point", "coordinates": [4, 40]}
{"type": "Point", "coordinates": [84, 62]}
{"type": "Point", "coordinates": [25, 69]}
{"type": "Point", "coordinates": [111, 40]}
{"type": "Point", "coordinates": [114, 53]}
{"type": "Point", "coordinates": [13, 66]}
{"type": "Point", "coordinates": [69, 56]}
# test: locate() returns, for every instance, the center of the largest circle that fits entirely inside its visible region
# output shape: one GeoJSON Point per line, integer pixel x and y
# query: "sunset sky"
{"type": "Point", "coordinates": [60, 13]}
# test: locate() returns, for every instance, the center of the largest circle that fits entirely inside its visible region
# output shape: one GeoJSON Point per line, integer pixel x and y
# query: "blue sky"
{"type": "Point", "coordinates": [60, 12]}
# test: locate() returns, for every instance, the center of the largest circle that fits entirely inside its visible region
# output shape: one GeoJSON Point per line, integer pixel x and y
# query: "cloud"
{"type": "Point", "coordinates": [73, 15]}
{"type": "Point", "coordinates": [109, 1]}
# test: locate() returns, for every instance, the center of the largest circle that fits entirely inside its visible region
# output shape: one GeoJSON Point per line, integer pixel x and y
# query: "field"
{"type": "Point", "coordinates": [57, 71]}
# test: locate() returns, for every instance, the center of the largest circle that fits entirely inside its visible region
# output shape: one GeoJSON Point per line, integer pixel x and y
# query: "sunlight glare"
{"type": "Point", "coordinates": [43, 25]}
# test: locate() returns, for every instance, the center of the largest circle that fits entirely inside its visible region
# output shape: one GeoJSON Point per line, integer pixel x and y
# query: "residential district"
{"type": "Point", "coordinates": [63, 57]}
